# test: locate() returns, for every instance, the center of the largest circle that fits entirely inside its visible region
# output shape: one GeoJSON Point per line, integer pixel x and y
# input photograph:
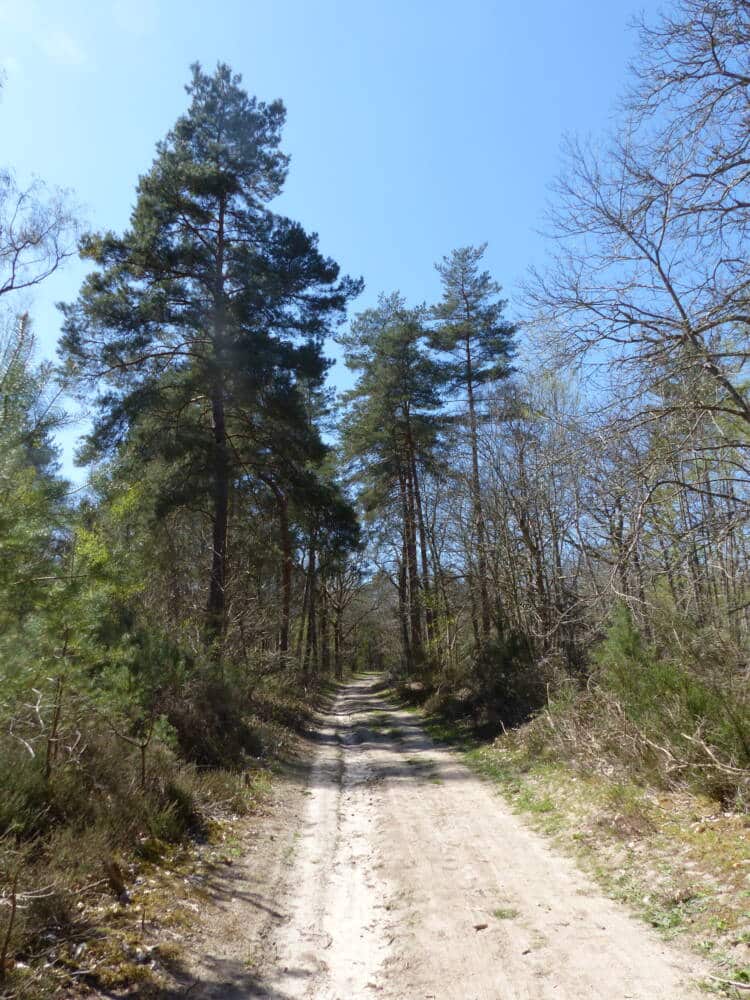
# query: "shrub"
{"type": "Point", "coordinates": [23, 792]}
{"type": "Point", "coordinates": [674, 714]}
{"type": "Point", "coordinates": [211, 724]}
{"type": "Point", "coordinates": [499, 685]}
{"type": "Point", "coordinates": [693, 697]}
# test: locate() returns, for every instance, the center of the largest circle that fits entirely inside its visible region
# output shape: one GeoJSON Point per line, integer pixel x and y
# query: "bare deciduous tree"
{"type": "Point", "coordinates": [37, 232]}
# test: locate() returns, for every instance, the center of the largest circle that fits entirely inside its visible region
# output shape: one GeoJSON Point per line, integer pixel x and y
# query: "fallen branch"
{"type": "Point", "coordinates": [731, 982]}
{"type": "Point", "coordinates": [727, 768]}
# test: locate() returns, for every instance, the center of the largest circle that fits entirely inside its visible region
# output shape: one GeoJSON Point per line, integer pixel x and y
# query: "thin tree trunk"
{"type": "Point", "coordinates": [473, 607]}
{"type": "Point", "coordinates": [325, 648]}
{"type": "Point", "coordinates": [215, 613]}
{"type": "Point", "coordinates": [415, 590]}
{"type": "Point", "coordinates": [411, 592]}
{"type": "Point", "coordinates": [286, 571]}
{"type": "Point", "coordinates": [428, 610]}
{"type": "Point", "coordinates": [302, 620]}
{"type": "Point", "coordinates": [403, 609]}
{"type": "Point", "coordinates": [479, 526]}
{"type": "Point", "coordinates": [337, 664]}
{"type": "Point", "coordinates": [311, 646]}
{"type": "Point", "coordinates": [216, 610]}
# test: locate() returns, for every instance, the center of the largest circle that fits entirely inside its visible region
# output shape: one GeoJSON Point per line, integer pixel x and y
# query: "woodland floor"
{"type": "Point", "coordinates": [390, 869]}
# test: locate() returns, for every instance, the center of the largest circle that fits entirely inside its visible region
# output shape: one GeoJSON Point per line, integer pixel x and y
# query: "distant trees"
{"type": "Point", "coordinates": [391, 436]}
{"type": "Point", "coordinates": [410, 362]}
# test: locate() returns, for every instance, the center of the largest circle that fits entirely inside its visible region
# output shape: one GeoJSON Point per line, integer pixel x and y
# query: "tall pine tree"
{"type": "Point", "coordinates": [470, 327]}
{"type": "Point", "coordinates": [202, 321]}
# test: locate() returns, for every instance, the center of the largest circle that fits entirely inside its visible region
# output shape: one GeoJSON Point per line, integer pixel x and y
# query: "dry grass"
{"type": "Point", "coordinates": [80, 936]}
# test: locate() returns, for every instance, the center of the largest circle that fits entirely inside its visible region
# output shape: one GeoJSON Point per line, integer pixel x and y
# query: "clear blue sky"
{"type": "Point", "coordinates": [414, 126]}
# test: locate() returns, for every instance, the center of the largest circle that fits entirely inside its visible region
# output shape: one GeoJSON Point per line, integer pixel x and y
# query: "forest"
{"type": "Point", "coordinates": [530, 517]}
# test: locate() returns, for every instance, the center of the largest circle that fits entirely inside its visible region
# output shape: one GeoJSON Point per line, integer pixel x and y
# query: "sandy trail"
{"type": "Point", "coordinates": [405, 854]}
{"type": "Point", "coordinates": [409, 878]}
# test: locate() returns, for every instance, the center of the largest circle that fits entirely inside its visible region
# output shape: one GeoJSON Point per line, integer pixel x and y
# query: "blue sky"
{"type": "Point", "coordinates": [414, 126]}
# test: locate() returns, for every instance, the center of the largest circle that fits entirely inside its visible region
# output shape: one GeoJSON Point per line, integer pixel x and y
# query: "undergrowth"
{"type": "Point", "coordinates": [674, 713]}
{"type": "Point", "coordinates": [92, 803]}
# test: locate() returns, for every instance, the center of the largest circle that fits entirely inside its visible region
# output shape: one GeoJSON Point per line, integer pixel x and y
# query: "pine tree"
{"type": "Point", "coordinates": [203, 319]}
{"type": "Point", "coordinates": [470, 327]}
{"type": "Point", "coordinates": [32, 507]}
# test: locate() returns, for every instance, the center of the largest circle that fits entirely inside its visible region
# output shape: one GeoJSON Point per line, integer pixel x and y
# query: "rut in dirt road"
{"type": "Point", "coordinates": [412, 879]}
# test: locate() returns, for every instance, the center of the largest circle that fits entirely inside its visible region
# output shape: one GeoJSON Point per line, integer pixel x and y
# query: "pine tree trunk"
{"type": "Point", "coordinates": [302, 621]}
{"type": "Point", "coordinates": [311, 645]}
{"type": "Point", "coordinates": [428, 610]}
{"type": "Point", "coordinates": [403, 609]}
{"type": "Point", "coordinates": [325, 648]}
{"type": "Point", "coordinates": [286, 572]}
{"type": "Point", "coordinates": [415, 601]}
{"type": "Point", "coordinates": [215, 613]}
{"type": "Point", "coordinates": [337, 664]}
{"type": "Point", "coordinates": [216, 610]}
{"type": "Point", "coordinates": [479, 526]}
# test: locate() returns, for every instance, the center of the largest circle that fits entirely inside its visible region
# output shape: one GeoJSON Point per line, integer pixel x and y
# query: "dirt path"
{"type": "Point", "coordinates": [406, 876]}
